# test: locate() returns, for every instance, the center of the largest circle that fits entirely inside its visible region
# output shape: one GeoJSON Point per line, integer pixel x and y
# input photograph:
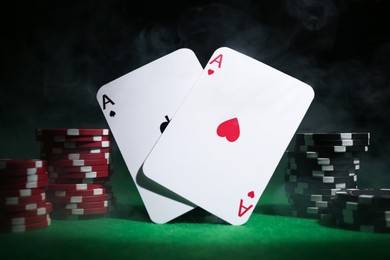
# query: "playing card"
{"type": "Point", "coordinates": [227, 138]}
{"type": "Point", "coordinates": [138, 107]}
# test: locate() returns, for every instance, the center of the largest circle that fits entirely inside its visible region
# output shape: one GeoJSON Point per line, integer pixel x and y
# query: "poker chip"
{"type": "Point", "coordinates": [79, 199]}
{"type": "Point", "coordinates": [22, 206]}
{"type": "Point", "coordinates": [299, 158]}
{"type": "Point", "coordinates": [23, 220]}
{"type": "Point", "coordinates": [21, 171]}
{"type": "Point", "coordinates": [321, 180]}
{"type": "Point", "coordinates": [85, 162]}
{"type": "Point", "coordinates": [331, 149]}
{"type": "Point", "coordinates": [21, 192]}
{"type": "Point", "coordinates": [23, 185]}
{"type": "Point", "coordinates": [71, 132]}
{"type": "Point", "coordinates": [312, 207]}
{"type": "Point", "coordinates": [366, 210]}
{"type": "Point", "coordinates": [75, 145]}
{"type": "Point", "coordinates": [69, 193]}
{"type": "Point", "coordinates": [379, 197]}
{"type": "Point", "coordinates": [58, 216]}
{"type": "Point", "coordinates": [314, 185]}
{"type": "Point", "coordinates": [317, 173]}
{"type": "Point", "coordinates": [41, 210]}
{"type": "Point", "coordinates": [25, 178]}
{"type": "Point", "coordinates": [316, 167]}
{"type": "Point", "coordinates": [72, 187]}
{"type": "Point", "coordinates": [64, 138]}
{"type": "Point", "coordinates": [316, 155]}
{"type": "Point", "coordinates": [310, 197]}
{"type": "Point", "coordinates": [27, 227]}
{"type": "Point", "coordinates": [82, 175]}
{"type": "Point", "coordinates": [16, 164]}
{"type": "Point", "coordinates": [78, 181]}
{"type": "Point", "coordinates": [23, 200]}
{"type": "Point", "coordinates": [319, 166]}
{"type": "Point", "coordinates": [92, 211]}
{"type": "Point", "coordinates": [90, 205]}
{"type": "Point", "coordinates": [75, 156]}
{"type": "Point", "coordinates": [293, 190]}
{"type": "Point", "coordinates": [332, 136]}
{"type": "Point", "coordinates": [342, 142]}
{"type": "Point", "coordinates": [56, 150]}
{"type": "Point", "coordinates": [79, 168]}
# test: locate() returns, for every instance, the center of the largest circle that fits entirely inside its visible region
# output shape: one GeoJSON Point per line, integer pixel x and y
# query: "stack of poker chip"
{"type": "Point", "coordinates": [79, 168]}
{"type": "Point", "coordinates": [362, 210]}
{"type": "Point", "coordinates": [23, 205]}
{"type": "Point", "coordinates": [319, 165]}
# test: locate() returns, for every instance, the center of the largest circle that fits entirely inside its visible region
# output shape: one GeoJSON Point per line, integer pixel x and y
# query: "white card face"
{"type": "Point", "coordinates": [137, 106]}
{"type": "Point", "coordinates": [227, 138]}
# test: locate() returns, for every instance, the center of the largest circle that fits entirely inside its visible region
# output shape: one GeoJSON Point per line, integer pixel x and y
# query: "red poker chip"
{"type": "Point", "coordinates": [71, 187]}
{"type": "Point", "coordinates": [10, 221]}
{"type": "Point", "coordinates": [26, 178]}
{"type": "Point", "coordinates": [22, 200]}
{"type": "Point", "coordinates": [93, 211]}
{"type": "Point", "coordinates": [76, 156]}
{"type": "Point", "coordinates": [41, 210]}
{"type": "Point", "coordinates": [21, 163]}
{"type": "Point", "coordinates": [90, 205]}
{"type": "Point", "coordinates": [71, 131]}
{"type": "Point", "coordinates": [64, 138]}
{"type": "Point", "coordinates": [27, 227]}
{"type": "Point", "coordinates": [77, 217]}
{"type": "Point", "coordinates": [67, 163]}
{"type": "Point", "coordinates": [75, 181]}
{"type": "Point", "coordinates": [24, 185]}
{"type": "Point", "coordinates": [83, 175]}
{"type": "Point", "coordinates": [75, 150]}
{"type": "Point", "coordinates": [75, 145]}
{"type": "Point", "coordinates": [79, 199]}
{"type": "Point", "coordinates": [78, 169]}
{"type": "Point", "coordinates": [22, 207]}
{"type": "Point", "coordinates": [69, 193]}
{"type": "Point", "coordinates": [21, 192]}
{"type": "Point", "coordinates": [22, 171]}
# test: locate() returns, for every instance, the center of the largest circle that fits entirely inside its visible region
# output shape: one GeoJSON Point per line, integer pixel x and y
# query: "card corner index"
{"type": "Point", "coordinates": [100, 94]}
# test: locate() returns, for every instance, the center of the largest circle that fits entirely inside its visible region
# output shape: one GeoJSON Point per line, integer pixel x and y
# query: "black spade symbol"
{"type": "Point", "coordinates": [164, 124]}
{"type": "Point", "coordinates": [112, 113]}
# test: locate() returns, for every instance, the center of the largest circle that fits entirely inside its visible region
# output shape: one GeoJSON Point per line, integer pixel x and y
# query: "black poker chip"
{"type": "Point", "coordinates": [321, 180]}
{"type": "Point", "coordinates": [362, 210]}
{"type": "Point", "coordinates": [332, 136]}
{"type": "Point", "coordinates": [318, 173]}
{"type": "Point", "coordinates": [371, 197]}
{"type": "Point", "coordinates": [333, 142]}
{"type": "Point", "coordinates": [330, 149]}
{"type": "Point", "coordinates": [301, 158]}
{"type": "Point", "coordinates": [315, 167]}
{"type": "Point", "coordinates": [319, 166]}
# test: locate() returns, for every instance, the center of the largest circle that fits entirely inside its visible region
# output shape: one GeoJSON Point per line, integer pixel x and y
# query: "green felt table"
{"type": "Point", "coordinates": [128, 233]}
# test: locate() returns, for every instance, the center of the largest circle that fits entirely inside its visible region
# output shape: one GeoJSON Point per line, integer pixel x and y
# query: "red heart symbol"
{"type": "Point", "coordinates": [251, 194]}
{"type": "Point", "coordinates": [229, 129]}
{"type": "Point", "coordinates": [210, 71]}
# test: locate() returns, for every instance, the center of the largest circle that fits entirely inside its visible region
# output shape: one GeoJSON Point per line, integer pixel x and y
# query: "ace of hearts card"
{"type": "Point", "coordinates": [225, 141]}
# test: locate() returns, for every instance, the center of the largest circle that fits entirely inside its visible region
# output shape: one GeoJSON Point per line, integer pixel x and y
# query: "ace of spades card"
{"type": "Point", "coordinates": [227, 138]}
{"type": "Point", "coordinates": [138, 107]}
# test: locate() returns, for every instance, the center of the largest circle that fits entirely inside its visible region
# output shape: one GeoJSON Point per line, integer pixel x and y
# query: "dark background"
{"type": "Point", "coordinates": [56, 54]}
